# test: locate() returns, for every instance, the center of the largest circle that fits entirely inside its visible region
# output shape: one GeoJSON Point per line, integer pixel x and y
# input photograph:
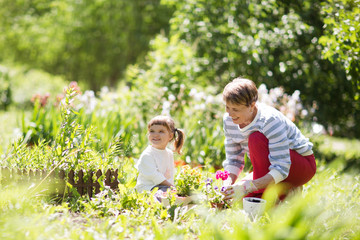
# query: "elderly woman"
{"type": "Point", "coordinates": [279, 152]}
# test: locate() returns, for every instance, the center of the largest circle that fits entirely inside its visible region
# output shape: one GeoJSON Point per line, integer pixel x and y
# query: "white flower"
{"type": "Point", "coordinates": [278, 92]}
{"type": "Point", "coordinates": [317, 128]}
{"type": "Point", "coordinates": [304, 112]}
{"type": "Point", "coordinates": [262, 89]}
{"type": "Point", "coordinates": [171, 98]}
{"type": "Point", "coordinates": [296, 95]}
{"type": "Point", "coordinates": [193, 91]}
{"type": "Point", "coordinates": [166, 108]}
{"type": "Point", "coordinates": [199, 96]}
{"type": "Point", "coordinates": [87, 101]}
{"type": "Point", "coordinates": [209, 99]}
{"type": "Point", "coordinates": [200, 106]}
{"type": "Point", "coordinates": [104, 90]}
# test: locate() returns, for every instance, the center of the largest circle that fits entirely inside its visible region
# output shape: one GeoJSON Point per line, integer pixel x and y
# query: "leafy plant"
{"type": "Point", "coordinates": [213, 188]}
{"type": "Point", "coordinates": [188, 181]}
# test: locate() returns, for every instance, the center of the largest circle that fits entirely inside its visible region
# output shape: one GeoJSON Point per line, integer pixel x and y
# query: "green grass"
{"type": "Point", "coordinates": [327, 209]}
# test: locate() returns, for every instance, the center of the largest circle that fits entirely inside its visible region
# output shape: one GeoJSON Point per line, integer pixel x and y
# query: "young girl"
{"type": "Point", "coordinates": [156, 163]}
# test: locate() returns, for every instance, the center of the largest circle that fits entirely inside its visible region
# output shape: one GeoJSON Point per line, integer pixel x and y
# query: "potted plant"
{"type": "Point", "coordinates": [188, 181]}
{"type": "Point", "coordinates": [214, 187]}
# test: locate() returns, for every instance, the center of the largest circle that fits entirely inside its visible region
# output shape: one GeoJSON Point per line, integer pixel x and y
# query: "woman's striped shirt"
{"type": "Point", "coordinates": [278, 129]}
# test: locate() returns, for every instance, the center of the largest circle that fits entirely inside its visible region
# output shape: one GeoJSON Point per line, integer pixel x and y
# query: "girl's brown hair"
{"type": "Point", "coordinates": [168, 122]}
{"type": "Point", "coordinates": [240, 91]}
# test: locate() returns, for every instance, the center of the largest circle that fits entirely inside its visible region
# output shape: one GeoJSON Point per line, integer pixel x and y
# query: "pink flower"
{"type": "Point", "coordinates": [223, 175]}
{"type": "Point", "coordinates": [42, 99]}
{"type": "Point", "coordinates": [218, 174]}
{"type": "Point", "coordinates": [75, 87]}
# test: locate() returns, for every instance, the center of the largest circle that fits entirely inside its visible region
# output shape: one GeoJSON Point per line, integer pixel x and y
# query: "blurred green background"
{"type": "Point", "coordinates": [156, 51]}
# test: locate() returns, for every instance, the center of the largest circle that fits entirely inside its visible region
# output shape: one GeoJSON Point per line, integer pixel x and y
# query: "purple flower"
{"type": "Point", "coordinates": [208, 181]}
{"type": "Point", "coordinates": [223, 189]}
{"type": "Point", "coordinates": [216, 188]}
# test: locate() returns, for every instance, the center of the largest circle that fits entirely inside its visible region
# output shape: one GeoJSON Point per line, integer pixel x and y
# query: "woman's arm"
{"type": "Point", "coordinates": [264, 181]}
{"type": "Point", "coordinates": [259, 183]}
{"type": "Point", "coordinates": [234, 162]}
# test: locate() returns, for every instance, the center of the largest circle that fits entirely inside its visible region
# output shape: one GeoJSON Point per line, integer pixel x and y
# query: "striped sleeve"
{"type": "Point", "coordinates": [234, 162]}
{"type": "Point", "coordinates": [279, 156]}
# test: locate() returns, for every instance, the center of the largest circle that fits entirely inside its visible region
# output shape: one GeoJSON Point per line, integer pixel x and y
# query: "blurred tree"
{"type": "Point", "coordinates": [342, 34]}
{"type": "Point", "coordinates": [272, 42]}
{"type": "Point", "coordinates": [85, 40]}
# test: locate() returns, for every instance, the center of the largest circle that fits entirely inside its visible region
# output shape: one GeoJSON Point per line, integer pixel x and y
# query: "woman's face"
{"type": "Point", "coordinates": [159, 136]}
{"type": "Point", "coordinates": [241, 114]}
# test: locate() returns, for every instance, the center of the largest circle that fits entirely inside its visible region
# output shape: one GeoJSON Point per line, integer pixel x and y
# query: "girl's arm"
{"type": "Point", "coordinates": [166, 183]}
{"type": "Point", "coordinates": [147, 168]}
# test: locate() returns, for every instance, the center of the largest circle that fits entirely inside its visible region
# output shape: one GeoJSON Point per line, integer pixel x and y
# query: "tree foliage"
{"type": "Point", "coordinates": [311, 46]}
{"type": "Point", "coordinates": [342, 34]}
{"type": "Point", "coordinates": [90, 41]}
{"type": "Point", "coordinates": [272, 42]}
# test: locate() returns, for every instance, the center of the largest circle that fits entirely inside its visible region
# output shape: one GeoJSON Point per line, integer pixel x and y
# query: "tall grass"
{"type": "Point", "coordinates": [327, 209]}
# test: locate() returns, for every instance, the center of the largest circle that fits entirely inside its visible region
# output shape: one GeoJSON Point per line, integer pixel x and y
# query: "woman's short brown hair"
{"type": "Point", "coordinates": [240, 91]}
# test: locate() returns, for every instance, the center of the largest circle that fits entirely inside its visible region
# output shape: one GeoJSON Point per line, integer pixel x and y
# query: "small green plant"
{"type": "Point", "coordinates": [188, 181]}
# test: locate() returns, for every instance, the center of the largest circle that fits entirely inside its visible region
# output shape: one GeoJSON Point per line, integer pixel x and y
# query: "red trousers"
{"type": "Point", "coordinates": [302, 168]}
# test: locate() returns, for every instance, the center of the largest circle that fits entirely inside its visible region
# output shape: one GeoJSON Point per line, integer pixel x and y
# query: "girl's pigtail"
{"type": "Point", "coordinates": [179, 136]}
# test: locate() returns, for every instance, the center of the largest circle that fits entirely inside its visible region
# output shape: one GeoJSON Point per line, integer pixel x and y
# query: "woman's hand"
{"type": "Point", "coordinates": [233, 178]}
{"type": "Point", "coordinates": [238, 190]}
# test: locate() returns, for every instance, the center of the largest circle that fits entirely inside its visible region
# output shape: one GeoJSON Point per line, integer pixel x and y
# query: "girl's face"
{"type": "Point", "coordinates": [241, 114]}
{"type": "Point", "coordinates": [159, 136]}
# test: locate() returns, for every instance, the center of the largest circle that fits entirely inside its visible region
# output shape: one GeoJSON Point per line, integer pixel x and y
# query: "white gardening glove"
{"type": "Point", "coordinates": [238, 190]}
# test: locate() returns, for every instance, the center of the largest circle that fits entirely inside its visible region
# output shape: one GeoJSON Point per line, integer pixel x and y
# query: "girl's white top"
{"type": "Point", "coordinates": [154, 166]}
{"type": "Point", "coordinates": [278, 129]}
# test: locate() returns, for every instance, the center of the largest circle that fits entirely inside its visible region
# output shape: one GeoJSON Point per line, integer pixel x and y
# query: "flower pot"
{"type": "Point", "coordinates": [254, 206]}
